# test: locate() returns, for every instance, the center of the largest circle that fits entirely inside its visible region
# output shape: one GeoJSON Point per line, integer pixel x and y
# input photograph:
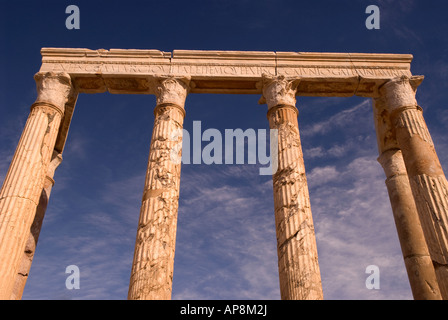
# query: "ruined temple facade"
{"type": "Point", "coordinates": [415, 180]}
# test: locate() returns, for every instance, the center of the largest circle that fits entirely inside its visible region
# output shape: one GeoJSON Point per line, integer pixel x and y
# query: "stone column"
{"type": "Point", "coordinates": [152, 268]}
{"type": "Point", "coordinates": [296, 243]}
{"type": "Point", "coordinates": [427, 179]}
{"type": "Point", "coordinates": [22, 188]}
{"type": "Point", "coordinates": [420, 270]}
{"type": "Point", "coordinates": [30, 248]}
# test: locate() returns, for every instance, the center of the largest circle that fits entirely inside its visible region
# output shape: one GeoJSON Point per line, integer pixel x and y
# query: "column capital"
{"type": "Point", "coordinates": [400, 92]}
{"type": "Point", "coordinates": [279, 90]}
{"type": "Point", "coordinates": [53, 89]}
{"type": "Point", "coordinates": [171, 90]}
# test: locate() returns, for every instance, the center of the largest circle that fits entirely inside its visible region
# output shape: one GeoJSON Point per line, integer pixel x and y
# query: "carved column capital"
{"type": "Point", "coordinates": [400, 92]}
{"type": "Point", "coordinates": [171, 90]}
{"type": "Point", "coordinates": [279, 91]}
{"type": "Point", "coordinates": [53, 89]}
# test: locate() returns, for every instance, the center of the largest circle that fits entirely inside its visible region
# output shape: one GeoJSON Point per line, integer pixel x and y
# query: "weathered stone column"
{"type": "Point", "coordinates": [22, 188]}
{"type": "Point", "coordinates": [420, 270]}
{"type": "Point", "coordinates": [298, 265]}
{"type": "Point", "coordinates": [427, 179]}
{"type": "Point", "coordinates": [30, 248]}
{"type": "Point", "coordinates": [152, 268]}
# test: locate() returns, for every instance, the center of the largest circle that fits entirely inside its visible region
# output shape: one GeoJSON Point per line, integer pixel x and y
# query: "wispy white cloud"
{"type": "Point", "coordinates": [316, 152]}
{"type": "Point", "coordinates": [226, 236]}
{"type": "Point", "coordinates": [336, 150]}
{"type": "Point", "coordinates": [226, 240]}
{"type": "Point", "coordinates": [321, 175]}
{"type": "Point", "coordinates": [355, 228]}
{"type": "Point", "coordinates": [98, 237]}
{"type": "Point", "coordinates": [338, 120]}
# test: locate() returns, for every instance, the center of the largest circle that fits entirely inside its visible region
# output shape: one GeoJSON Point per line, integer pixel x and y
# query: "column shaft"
{"type": "Point", "coordinates": [299, 272]}
{"type": "Point", "coordinates": [418, 262]}
{"type": "Point", "coordinates": [22, 188]}
{"type": "Point", "coordinates": [419, 267]}
{"type": "Point", "coordinates": [427, 179]}
{"type": "Point", "coordinates": [152, 269]}
{"type": "Point", "coordinates": [30, 248]}
{"type": "Point", "coordinates": [429, 187]}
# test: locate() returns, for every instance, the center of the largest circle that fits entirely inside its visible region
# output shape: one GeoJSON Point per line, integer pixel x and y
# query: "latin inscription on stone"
{"type": "Point", "coordinates": [226, 70]}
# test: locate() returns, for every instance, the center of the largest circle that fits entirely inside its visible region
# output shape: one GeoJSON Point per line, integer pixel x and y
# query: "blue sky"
{"type": "Point", "coordinates": [226, 245]}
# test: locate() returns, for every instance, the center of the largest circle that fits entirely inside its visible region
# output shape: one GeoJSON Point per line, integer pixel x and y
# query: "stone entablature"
{"type": "Point", "coordinates": [238, 72]}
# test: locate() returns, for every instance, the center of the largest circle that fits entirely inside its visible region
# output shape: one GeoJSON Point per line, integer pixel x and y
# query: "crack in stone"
{"type": "Point", "coordinates": [20, 197]}
{"type": "Point", "coordinates": [304, 225]}
{"type": "Point", "coordinates": [430, 287]}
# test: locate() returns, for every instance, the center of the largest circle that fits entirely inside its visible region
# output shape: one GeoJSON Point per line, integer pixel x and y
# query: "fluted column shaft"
{"type": "Point", "coordinates": [30, 248]}
{"type": "Point", "coordinates": [427, 179]}
{"type": "Point", "coordinates": [420, 270]}
{"type": "Point", "coordinates": [22, 188]}
{"type": "Point", "coordinates": [419, 267]}
{"type": "Point", "coordinates": [298, 265]}
{"type": "Point", "coordinates": [152, 269]}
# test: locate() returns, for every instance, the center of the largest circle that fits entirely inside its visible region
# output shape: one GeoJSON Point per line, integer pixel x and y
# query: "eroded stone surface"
{"type": "Point", "coordinates": [279, 91]}
{"type": "Point", "coordinates": [152, 269]}
{"type": "Point", "coordinates": [30, 247]}
{"type": "Point", "coordinates": [299, 271]}
{"type": "Point", "coordinates": [53, 88]}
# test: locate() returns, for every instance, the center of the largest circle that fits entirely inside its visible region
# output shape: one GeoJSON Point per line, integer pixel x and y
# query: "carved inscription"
{"type": "Point", "coordinates": [382, 72]}
{"type": "Point", "coordinates": [110, 68]}
{"type": "Point", "coordinates": [316, 71]}
{"type": "Point", "coordinates": [224, 70]}
{"type": "Point", "coordinates": [206, 70]}
{"type": "Point", "coordinates": [329, 71]}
